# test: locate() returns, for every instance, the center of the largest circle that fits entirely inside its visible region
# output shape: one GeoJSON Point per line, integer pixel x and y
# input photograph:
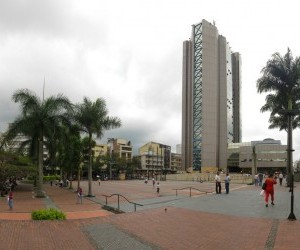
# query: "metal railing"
{"type": "Point", "coordinates": [190, 188]}
{"type": "Point", "coordinates": [119, 195]}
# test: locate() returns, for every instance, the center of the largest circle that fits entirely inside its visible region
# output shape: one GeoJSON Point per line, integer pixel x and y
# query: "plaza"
{"type": "Point", "coordinates": [195, 218]}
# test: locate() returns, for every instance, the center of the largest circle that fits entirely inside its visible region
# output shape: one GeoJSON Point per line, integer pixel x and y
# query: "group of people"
{"type": "Point", "coordinates": [153, 185]}
{"type": "Point", "coordinates": [258, 178]}
{"type": "Point", "coordinates": [218, 183]}
{"type": "Point", "coordinates": [267, 185]}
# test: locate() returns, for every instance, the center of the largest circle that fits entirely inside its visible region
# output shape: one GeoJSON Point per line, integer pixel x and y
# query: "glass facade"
{"type": "Point", "coordinates": [197, 96]}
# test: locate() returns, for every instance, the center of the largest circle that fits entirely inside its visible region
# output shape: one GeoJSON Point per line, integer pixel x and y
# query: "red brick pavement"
{"type": "Point", "coordinates": [175, 229]}
{"type": "Point", "coordinates": [64, 199]}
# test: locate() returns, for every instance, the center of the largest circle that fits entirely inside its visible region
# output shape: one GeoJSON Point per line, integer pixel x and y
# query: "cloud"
{"type": "Point", "coordinates": [130, 53]}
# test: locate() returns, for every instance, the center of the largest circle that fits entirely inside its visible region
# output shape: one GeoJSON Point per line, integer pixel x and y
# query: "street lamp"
{"type": "Point", "coordinates": [111, 151]}
{"type": "Point", "coordinates": [254, 165]}
{"type": "Point", "coordinates": [290, 113]}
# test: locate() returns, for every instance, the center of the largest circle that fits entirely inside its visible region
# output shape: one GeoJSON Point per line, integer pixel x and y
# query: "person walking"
{"type": "Point", "coordinates": [227, 182]}
{"type": "Point", "coordinates": [79, 195]}
{"type": "Point", "coordinates": [157, 188]}
{"type": "Point", "coordinates": [99, 182]}
{"type": "Point", "coordinates": [153, 182]}
{"type": "Point", "coordinates": [218, 183]}
{"type": "Point", "coordinates": [260, 178]}
{"type": "Point", "coordinates": [256, 179]}
{"type": "Point", "coordinates": [10, 200]}
{"type": "Point", "coordinates": [269, 191]}
{"type": "Point", "coordinates": [280, 178]}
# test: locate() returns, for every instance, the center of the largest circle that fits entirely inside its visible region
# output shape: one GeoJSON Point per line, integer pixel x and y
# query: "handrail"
{"type": "Point", "coordinates": [190, 188]}
{"type": "Point", "coordinates": [108, 196]}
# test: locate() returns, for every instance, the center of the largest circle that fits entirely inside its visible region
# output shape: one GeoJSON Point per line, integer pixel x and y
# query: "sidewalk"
{"type": "Point", "coordinates": [56, 197]}
{"type": "Point", "coordinates": [238, 220]}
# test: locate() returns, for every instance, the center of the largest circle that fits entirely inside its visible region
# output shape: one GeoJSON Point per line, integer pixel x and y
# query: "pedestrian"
{"type": "Point", "coordinates": [270, 181]}
{"type": "Point", "coordinates": [10, 200]}
{"type": "Point", "coordinates": [280, 178]}
{"type": "Point", "coordinates": [146, 180]}
{"type": "Point", "coordinates": [99, 182]}
{"type": "Point", "coordinates": [227, 181]}
{"type": "Point", "coordinates": [79, 195]}
{"type": "Point", "coordinates": [157, 188]}
{"type": "Point", "coordinates": [260, 178]}
{"type": "Point", "coordinates": [256, 179]}
{"type": "Point", "coordinates": [51, 183]}
{"type": "Point", "coordinates": [218, 183]}
{"type": "Point", "coordinates": [153, 182]}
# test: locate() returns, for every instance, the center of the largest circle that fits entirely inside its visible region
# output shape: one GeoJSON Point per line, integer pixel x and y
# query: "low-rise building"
{"type": "Point", "coordinates": [120, 147]}
{"type": "Point", "coordinates": [176, 164]}
{"type": "Point", "coordinates": [155, 158]}
{"type": "Point", "coordinates": [264, 156]}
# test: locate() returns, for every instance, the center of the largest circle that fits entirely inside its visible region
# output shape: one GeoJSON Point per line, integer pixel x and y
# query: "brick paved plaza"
{"type": "Point", "coordinates": [238, 220]}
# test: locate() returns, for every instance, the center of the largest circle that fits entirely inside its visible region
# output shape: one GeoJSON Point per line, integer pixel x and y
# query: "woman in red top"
{"type": "Point", "coordinates": [270, 181]}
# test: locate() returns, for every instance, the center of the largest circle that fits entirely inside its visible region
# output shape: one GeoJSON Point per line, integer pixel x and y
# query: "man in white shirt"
{"type": "Point", "coordinates": [218, 183]}
{"type": "Point", "coordinates": [280, 178]}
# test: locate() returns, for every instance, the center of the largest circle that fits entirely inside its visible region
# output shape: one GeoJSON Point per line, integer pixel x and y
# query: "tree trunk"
{"type": "Point", "coordinates": [78, 177]}
{"type": "Point", "coordinates": [90, 170]}
{"type": "Point", "coordinates": [39, 192]}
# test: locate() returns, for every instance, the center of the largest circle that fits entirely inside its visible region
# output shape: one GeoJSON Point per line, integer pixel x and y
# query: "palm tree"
{"type": "Point", "coordinates": [92, 118]}
{"type": "Point", "coordinates": [281, 77]}
{"type": "Point", "coordinates": [38, 120]}
{"type": "Point", "coordinates": [64, 149]}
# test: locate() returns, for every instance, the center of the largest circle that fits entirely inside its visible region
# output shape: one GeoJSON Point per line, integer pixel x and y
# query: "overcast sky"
{"type": "Point", "coordinates": [130, 53]}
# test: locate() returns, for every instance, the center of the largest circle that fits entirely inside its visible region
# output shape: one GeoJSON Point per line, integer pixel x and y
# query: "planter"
{"type": "Point", "coordinates": [122, 176]}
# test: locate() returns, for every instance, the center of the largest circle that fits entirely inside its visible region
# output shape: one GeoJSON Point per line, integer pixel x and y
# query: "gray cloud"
{"type": "Point", "coordinates": [129, 52]}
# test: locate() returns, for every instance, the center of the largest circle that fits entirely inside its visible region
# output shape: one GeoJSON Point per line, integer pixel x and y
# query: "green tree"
{"type": "Point", "coordinates": [64, 149]}
{"type": "Point", "coordinates": [93, 119]}
{"type": "Point", "coordinates": [38, 120]}
{"type": "Point", "coordinates": [13, 166]}
{"type": "Point", "coordinates": [281, 79]}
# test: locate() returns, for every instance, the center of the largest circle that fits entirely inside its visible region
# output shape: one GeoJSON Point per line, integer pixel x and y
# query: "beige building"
{"type": "Point", "coordinates": [120, 147]}
{"type": "Point", "coordinates": [259, 156]}
{"type": "Point", "coordinates": [176, 164]}
{"type": "Point", "coordinates": [210, 97]}
{"type": "Point", "coordinates": [155, 158]}
{"type": "Point", "coordinates": [100, 150]}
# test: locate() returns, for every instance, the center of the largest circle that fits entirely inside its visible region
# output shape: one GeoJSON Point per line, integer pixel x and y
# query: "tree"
{"type": "Point", "coordinates": [281, 77]}
{"type": "Point", "coordinates": [38, 120]}
{"type": "Point", "coordinates": [64, 149]}
{"type": "Point", "coordinates": [92, 118]}
{"type": "Point", "coordinates": [13, 166]}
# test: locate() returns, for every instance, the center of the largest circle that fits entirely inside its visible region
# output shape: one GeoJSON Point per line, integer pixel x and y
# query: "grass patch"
{"type": "Point", "coordinates": [48, 214]}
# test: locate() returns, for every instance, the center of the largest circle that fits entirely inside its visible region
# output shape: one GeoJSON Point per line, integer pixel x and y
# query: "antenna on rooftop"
{"type": "Point", "coordinates": [44, 89]}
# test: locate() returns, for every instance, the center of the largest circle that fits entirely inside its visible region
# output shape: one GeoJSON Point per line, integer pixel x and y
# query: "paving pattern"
{"type": "Point", "coordinates": [238, 220]}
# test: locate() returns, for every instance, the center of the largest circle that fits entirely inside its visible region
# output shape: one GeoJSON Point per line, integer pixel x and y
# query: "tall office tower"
{"type": "Point", "coordinates": [210, 99]}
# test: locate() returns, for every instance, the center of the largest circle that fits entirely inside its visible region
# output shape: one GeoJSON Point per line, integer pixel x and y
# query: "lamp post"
{"type": "Point", "coordinates": [290, 162]}
{"type": "Point", "coordinates": [111, 151]}
{"type": "Point", "coordinates": [290, 113]}
{"type": "Point", "coordinates": [254, 166]}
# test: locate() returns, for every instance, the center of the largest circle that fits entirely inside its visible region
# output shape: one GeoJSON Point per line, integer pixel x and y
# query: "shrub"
{"type": "Point", "coordinates": [51, 177]}
{"type": "Point", "coordinates": [48, 214]}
